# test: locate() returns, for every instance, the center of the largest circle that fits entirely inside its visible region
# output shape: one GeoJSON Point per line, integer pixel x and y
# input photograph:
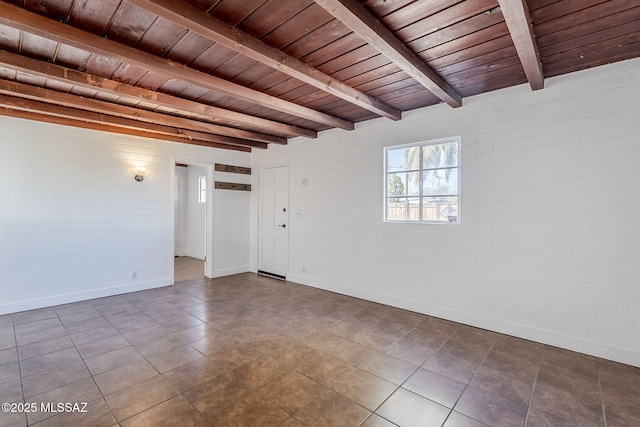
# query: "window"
{"type": "Point", "coordinates": [422, 182]}
{"type": "Point", "coordinates": [202, 189]}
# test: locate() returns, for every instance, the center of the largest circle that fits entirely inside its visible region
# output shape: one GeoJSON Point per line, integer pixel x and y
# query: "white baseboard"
{"type": "Point", "coordinates": [616, 354]}
{"type": "Point", "coordinates": [195, 255]}
{"type": "Point", "coordinates": [230, 271]}
{"type": "Point", "coordinates": [83, 295]}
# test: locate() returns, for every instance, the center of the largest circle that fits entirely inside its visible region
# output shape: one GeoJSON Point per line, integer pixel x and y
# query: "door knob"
{"type": "Point", "coordinates": [283, 225]}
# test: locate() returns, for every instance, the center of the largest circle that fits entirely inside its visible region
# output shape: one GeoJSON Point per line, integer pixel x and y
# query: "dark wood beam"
{"type": "Point", "coordinates": [516, 15]}
{"type": "Point", "coordinates": [89, 81]}
{"type": "Point", "coordinates": [352, 14]}
{"type": "Point", "coordinates": [74, 101]}
{"type": "Point", "coordinates": [45, 108]}
{"type": "Point", "coordinates": [232, 169]}
{"type": "Point", "coordinates": [191, 18]}
{"type": "Point", "coordinates": [220, 185]}
{"type": "Point", "coordinates": [105, 127]}
{"type": "Point", "coordinates": [23, 20]}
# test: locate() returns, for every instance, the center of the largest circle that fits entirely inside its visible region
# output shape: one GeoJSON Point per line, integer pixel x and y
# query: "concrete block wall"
{"type": "Point", "coordinates": [75, 225]}
{"type": "Point", "coordinates": [549, 242]}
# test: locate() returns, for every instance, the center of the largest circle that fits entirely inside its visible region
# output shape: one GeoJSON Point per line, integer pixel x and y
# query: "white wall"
{"type": "Point", "coordinates": [549, 244]}
{"type": "Point", "coordinates": [74, 224]}
{"type": "Point", "coordinates": [182, 196]}
{"type": "Point", "coordinates": [231, 225]}
{"type": "Point", "coordinates": [195, 216]}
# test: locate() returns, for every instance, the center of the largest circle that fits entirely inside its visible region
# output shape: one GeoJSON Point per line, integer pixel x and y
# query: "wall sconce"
{"type": "Point", "coordinates": [140, 170]}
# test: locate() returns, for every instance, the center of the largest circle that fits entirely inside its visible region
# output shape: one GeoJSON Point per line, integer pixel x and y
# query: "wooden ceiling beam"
{"type": "Point", "coordinates": [23, 20]}
{"type": "Point", "coordinates": [352, 14]}
{"type": "Point", "coordinates": [30, 105]}
{"type": "Point", "coordinates": [74, 101]}
{"type": "Point", "coordinates": [105, 127]}
{"type": "Point", "coordinates": [89, 81]}
{"type": "Point", "coordinates": [191, 18]}
{"type": "Point", "coordinates": [516, 16]}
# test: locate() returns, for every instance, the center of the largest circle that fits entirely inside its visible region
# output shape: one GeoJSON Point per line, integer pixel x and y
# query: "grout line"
{"type": "Point", "coordinates": [533, 388]}
{"type": "Point", "coordinates": [604, 412]}
{"type": "Point", "coordinates": [471, 379]}
{"type": "Point", "coordinates": [15, 340]}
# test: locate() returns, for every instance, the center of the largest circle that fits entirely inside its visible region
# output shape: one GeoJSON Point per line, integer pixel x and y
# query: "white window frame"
{"type": "Point", "coordinates": [420, 197]}
{"type": "Point", "coordinates": [202, 189]}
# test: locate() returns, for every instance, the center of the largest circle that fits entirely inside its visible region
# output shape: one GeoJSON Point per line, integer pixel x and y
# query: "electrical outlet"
{"type": "Point", "coordinates": [134, 275]}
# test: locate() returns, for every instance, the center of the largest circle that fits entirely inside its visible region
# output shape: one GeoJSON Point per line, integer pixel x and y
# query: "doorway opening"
{"type": "Point", "coordinates": [191, 201]}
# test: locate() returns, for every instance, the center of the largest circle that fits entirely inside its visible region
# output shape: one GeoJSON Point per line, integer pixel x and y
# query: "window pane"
{"type": "Point", "coordinates": [202, 189]}
{"type": "Point", "coordinates": [403, 159]}
{"type": "Point", "coordinates": [440, 209]}
{"type": "Point", "coordinates": [440, 181]}
{"type": "Point", "coordinates": [403, 184]}
{"type": "Point", "coordinates": [440, 155]}
{"type": "Point", "coordinates": [403, 209]}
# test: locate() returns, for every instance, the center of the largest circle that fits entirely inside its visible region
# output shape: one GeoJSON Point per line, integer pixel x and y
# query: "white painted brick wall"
{"type": "Point", "coordinates": [74, 224]}
{"type": "Point", "coordinates": [549, 243]}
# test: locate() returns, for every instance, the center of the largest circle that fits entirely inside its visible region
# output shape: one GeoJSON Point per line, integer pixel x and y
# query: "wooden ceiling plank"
{"type": "Point", "coordinates": [92, 16]}
{"type": "Point", "coordinates": [383, 8]}
{"type": "Point", "coordinates": [299, 26]}
{"type": "Point", "coordinates": [56, 9]}
{"type": "Point", "coordinates": [271, 14]}
{"type": "Point", "coordinates": [616, 54]}
{"type": "Point", "coordinates": [24, 20]}
{"type": "Point", "coordinates": [214, 29]}
{"type": "Point", "coordinates": [469, 28]}
{"type": "Point", "coordinates": [361, 22]}
{"type": "Point", "coordinates": [474, 61]}
{"type": "Point", "coordinates": [466, 47]}
{"type": "Point", "coordinates": [563, 9]}
{"type": "Point", "coordinates": [96, 106]}
{"type": "Point", "coordinates": [318, 39]}
{"type": "Point", "coordinates": [72, 115]}
{"type": "Point", "coordinates": [586, 27]}
{"type": "Point", "coordinates": [235, 12]}
{"type": "Point", "coordinates": [413, 12]}
{"type": "Point", "coordinates": [502, 69]}
{"type": "Point", "coordinates": [516, 15]}
{"type": "Point", "coordinates": [455, 14]}
{"type": "Point", "coordinates": [88, 81]}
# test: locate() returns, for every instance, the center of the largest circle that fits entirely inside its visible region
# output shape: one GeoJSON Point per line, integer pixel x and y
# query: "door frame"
{"type": "Point", "coordinates": [288, 185]}
{"type": "Point", "coordinates": [209, 217]}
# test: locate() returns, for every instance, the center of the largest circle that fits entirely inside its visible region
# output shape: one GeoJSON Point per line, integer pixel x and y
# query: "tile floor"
{"type": "Point", "coordinates": [252, 351]}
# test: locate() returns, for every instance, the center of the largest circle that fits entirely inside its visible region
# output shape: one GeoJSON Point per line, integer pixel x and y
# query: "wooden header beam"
{"type": "Point", "coordinates": [191, 18]}
{"type": "Point", "coordinates": [23, 20]}
{"type": "Point", "coordinates": [232, 169]}
{"type": "Point", "coordinates": [516, 15]}
{"type": "Point", "coordinates": [106, 127]}
{"type": "Point", "coordinates": [232, 186]}
{"type": "Point", "coordinates": [89, 81]}
{"type": "Point", "coordinates": [44, 108]}
{"type": "Point", "coordinates": [148, 117]}
{"type": "Point", "coordinates": [352, 14]}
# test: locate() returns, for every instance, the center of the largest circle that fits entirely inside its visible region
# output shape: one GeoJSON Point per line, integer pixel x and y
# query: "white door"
{"type": "Point", "coordinates": [273, 221]}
